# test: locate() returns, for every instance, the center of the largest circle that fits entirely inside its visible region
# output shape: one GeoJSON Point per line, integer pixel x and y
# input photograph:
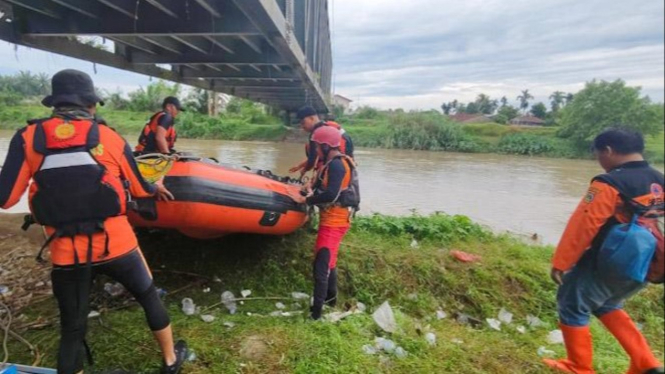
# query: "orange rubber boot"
{"type": "Point", "coordinates": [633, 342]}
{"type": "Point", "coordinates": [580, 351]}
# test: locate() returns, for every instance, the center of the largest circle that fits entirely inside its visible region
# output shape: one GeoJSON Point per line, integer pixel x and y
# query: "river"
{"type": "Point", "coordinates": [506, 193]}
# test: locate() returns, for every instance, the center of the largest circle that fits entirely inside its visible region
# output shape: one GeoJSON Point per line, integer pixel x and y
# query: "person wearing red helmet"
{"type": "Point", "coordinates": [337, 194]}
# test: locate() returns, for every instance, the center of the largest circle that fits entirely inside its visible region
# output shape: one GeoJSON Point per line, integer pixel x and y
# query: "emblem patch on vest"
{"type": "Point", "coordinates": [591, 195]}
{"type": "Point", "coordinates": [65, 131]}
{"type": "Point", "coordinates": [98, 150]}
{"type": "Point", "coordinates": [657, 190]}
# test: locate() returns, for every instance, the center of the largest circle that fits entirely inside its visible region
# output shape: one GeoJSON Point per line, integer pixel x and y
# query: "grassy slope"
{"type": "Point", "coordinates": [377, 264]}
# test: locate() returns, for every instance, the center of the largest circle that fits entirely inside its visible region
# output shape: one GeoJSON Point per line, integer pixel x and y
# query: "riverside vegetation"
{"type": "Point", "coordinates": [379, 262]}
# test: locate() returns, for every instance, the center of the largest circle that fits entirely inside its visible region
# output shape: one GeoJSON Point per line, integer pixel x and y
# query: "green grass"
{"type": "Point", "coordinates": [655, 149]}
{"type": "Point", "coordinates": [377, 263]}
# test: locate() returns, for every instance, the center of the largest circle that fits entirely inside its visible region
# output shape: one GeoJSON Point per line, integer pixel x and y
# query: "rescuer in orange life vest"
{"type": "Point", "coordinates": [159, 134]}
{"type": "Point", "coordinates": [336, 192]}
{"type": "Point", "coordinates": [310, 122]}
{"type": "Point", "coordinates": [78, 172]}
{"type": "Point", "coordinates": [611, 248]}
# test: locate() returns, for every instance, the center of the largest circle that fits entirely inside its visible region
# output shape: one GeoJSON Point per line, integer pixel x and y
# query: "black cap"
{"type": "Point", "coordinates": [72, 87]}
{"type": "Point", "coordinates": [305, 112]}
{"type": "Point", "coordinates": [173, 100]}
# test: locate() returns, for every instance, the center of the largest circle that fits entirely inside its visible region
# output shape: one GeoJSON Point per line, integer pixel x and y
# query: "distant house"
{"type": "Point", "coordinates": [466, 118]}
{"type": "Point", "coordinates": [342, 102]}
{"type": "Point", "coordinates": [527, 121]}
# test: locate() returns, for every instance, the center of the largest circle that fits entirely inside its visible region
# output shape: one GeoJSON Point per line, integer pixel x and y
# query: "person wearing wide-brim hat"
{"type": "Point", "coordinates": [75, 168]}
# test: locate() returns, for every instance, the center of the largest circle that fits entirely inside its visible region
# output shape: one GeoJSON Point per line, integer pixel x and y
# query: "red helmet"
{"type": "Point", "coordinates": [328, 135]}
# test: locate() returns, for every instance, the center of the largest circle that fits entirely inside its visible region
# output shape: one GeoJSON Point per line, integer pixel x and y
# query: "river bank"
{"type": "Point", "coordinates": [415, 131]}
{"type": "Point", "coordinates": [380, 261]}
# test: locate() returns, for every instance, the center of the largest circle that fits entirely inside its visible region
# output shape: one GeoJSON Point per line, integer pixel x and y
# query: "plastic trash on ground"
{"type": "Point", "coordinates": [385, 345]}
{"type": "Point", "coordinates": [207, 318]}
{"type": "Point", "coordinates": [228, 299]}
{"type": "Point", "coordinates": [457, 341]}
{"type": "Point", "coordinates": [192, 356]}
{"type": "Point", "coordinates": [206, 290]}
{"type": "Point", "coordinates": [534, 322]}
{"type": "Point", "coordinates": [385, 318]}
{"type": "Point", "coordinates": [216, 280]}
{"type": "Point", "coordinates": [300, 296]}
{"type": "Point", "coordinates": [465, 257]}
{"type": "Point", "coordinates": [4, 289]}
{"type": "Point", "coordinates": [521, 329]}
{"type": "Point", "coordinates": [188, 306]}
{"type": "Point", "coordinates": [430, 338]}
{"type": "Point", "coordinates": [555, 337]}
{"type": "Point", "coordinates": [544, 352]}
{"type": "Point", "coordinates": [93, 314]}
{"type": "Point", "coordinates": [361, 307]}
{"type": "Point", "coordinates": [505, 316]}
{"type": "Point", "coordinates": [337, 316]}
{"type": "Point", "coordinates": [229, 325]}
{"type": "Point", "coordinates": [280, 306]}
{"type": "Point", "coordinates": [114, 289]}
{"type": "Point", "coordinates": [412, 296]}
{"type": "Point", "coordinates": [494, 324]}
{"type": "Point", "coordinates": [369, 350]}
{"type": "Point", "coordinates": [245, 293]}
{"type": "Point", "coordinates": [401, 353]}
{"type": "Point", "coordinates": [440, 314]}
{"type": "Point", "coordinates": [414, 244]}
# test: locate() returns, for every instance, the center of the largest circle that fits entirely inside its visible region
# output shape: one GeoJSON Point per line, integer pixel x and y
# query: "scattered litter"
{"type": "Point", "coordinates": [369, 350]}
{"type": "Point", "coordinates": [400, 352]}
{"type": "Point", "coordinates": [188, 306]}
{"type": "Point", "coordinates": [431, 338]}
{"type": "Point", "coordinates": [361, 307]}
{"type": "Point", "coordinates": [93, 314]}
{"type": "Point", "coordinates": [192, 356]}
{"type": "Point", "coordinates": [39, 284]}
{"type": "Point", "coordinates": [534, 322]}
{"type": "Point", "coordinates": [521, 329]}
{"type": "Point", "coordinates": [337, 316]}
{"type": "Point", "coordinates": [494, 324]}
{"type": "Point", "coordinates": [246, 293]}
{"type": "Point", "coordinates": [505, 316]}
{"type": "Point", "coordinates": [412, 296]}
{"type": "Point", "coordinates": [276, 313]}
{"type": "Point", "coordinates": [207, 318]}
{"type": "Point", "coordinates": [300, 296]}
{"type": "Point", "coordinates": [457, 341]}
{"type": "Point", "coordinates": [544, 352]}
{"type": "Point", "coordinates": [640, 326]}
{"type": "Point", "coordinates": [206, 290]}
{"type": "Point", "coordinates": [414, 244]}
{"type": "Point", "coordinates": [228, 299]}
{"type": "Point", "coordinates": [465, 257]}
{"type": "Point", "coordinates": [229, 325]}
{"type": "Point", "coordinates": [114, 289]}
{"type": "Point", "coordinates": [440, 314]}
{"type": "Point", "coordinates": [280, 306]}
{"type": "Point", "coordinates": [4, 289]}
{"type": "Point", "coordinates": [555, 337]}
{"type": "Point", "coordinates": [385, 318]}
{"type": "Point", "coordinates": [386, 345]}
{"type": "Point", "coordinates": [216, 280]}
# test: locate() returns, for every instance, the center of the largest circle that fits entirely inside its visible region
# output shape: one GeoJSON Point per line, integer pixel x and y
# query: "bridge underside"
{"type": "Point", "coordinates": [272, 51]}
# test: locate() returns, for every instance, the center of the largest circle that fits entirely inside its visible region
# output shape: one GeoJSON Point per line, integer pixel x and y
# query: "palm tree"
{"type": "Point", "coordinates": [557, 100]}
{"type": "Point", "coordinates": [504, 102]}
{"type": "Point", "coordinates": [569, 98]}
{"type": "Point", "coordinates": [524, 100]}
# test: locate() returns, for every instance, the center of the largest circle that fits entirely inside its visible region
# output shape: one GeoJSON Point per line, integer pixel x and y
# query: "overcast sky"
{"type": "Point", "coordinates": [418, 54]}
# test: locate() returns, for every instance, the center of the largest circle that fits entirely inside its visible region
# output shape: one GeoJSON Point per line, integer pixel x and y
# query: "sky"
{"type": "Point", "coordinates": [422, 53]}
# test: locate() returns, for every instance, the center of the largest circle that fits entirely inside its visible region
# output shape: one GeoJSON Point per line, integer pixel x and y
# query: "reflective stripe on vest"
{"type": "Point", "coordinates": [64, 160]}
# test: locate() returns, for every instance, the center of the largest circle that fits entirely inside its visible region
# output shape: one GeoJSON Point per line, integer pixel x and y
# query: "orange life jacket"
{"type": "Point", "coordinates": [72, 191]}
{"type": "Point", "coordinates": [147, 141]}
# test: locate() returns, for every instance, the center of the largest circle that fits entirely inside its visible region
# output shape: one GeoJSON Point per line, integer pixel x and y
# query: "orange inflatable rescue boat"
{"type": "Point", "coordinates": [213, 200]}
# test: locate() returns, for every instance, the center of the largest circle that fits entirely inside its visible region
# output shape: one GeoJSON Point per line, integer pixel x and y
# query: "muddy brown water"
{"type": "Point", "coordinates": [507, 193]}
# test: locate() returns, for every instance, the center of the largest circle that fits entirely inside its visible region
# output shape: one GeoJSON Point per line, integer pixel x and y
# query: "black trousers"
{"type": "Point", "coordinates": [71, 287]}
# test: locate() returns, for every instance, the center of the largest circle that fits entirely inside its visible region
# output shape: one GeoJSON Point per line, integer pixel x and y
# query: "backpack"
{"type": "Point", "coordinates": [635, 250]}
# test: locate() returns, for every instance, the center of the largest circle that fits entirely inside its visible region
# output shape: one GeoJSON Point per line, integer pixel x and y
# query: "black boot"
{"type": "Point", "coordinates": [655, 371]}
{"type": "Point", "coordinates": [181, 354]}
{"type": "Point", "coordinates": [321, 273]}
{"type": "Point", "coordinates": [331, 297]}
